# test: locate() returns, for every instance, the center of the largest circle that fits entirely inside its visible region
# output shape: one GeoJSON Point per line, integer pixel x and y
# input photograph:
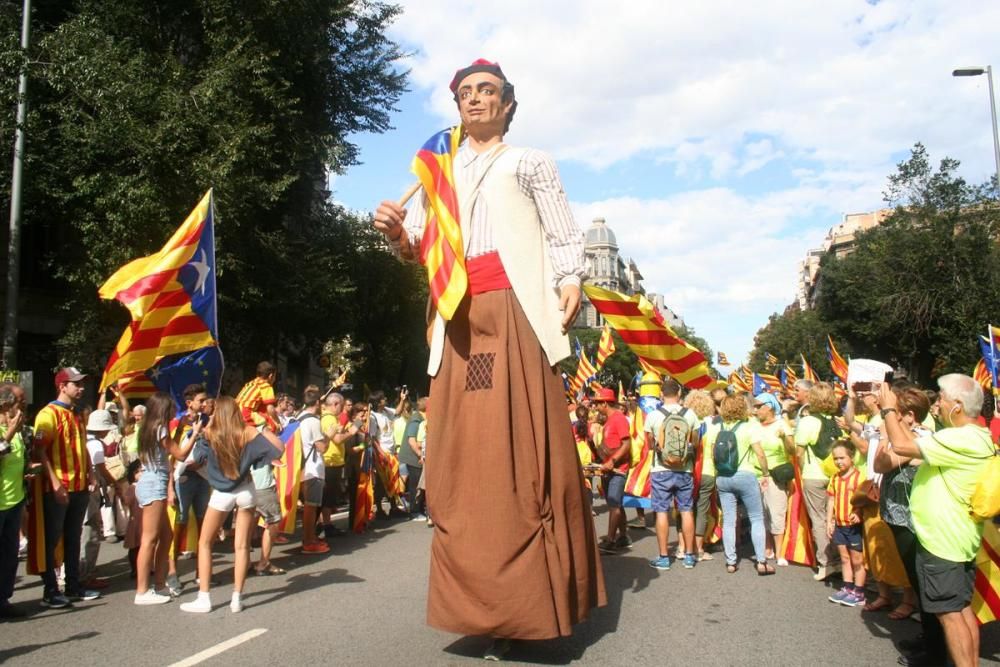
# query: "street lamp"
{"type": "Point", "coordinates": [988, 71]}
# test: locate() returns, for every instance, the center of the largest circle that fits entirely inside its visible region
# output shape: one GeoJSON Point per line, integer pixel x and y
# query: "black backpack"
{"type": "Point", "coordinates": [726, 452]}
{"type": "Point", "coordinates": [828, 434]}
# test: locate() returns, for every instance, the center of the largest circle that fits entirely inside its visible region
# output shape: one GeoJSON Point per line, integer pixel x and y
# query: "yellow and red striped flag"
{"type": "Point", "coordinates": [721, 359]}
{"type": "Point", "coordinates": [797, 546]}
{"type": "Point", "coordinates": [837, 363]}
{"type": "Point", "coordinates": [585, 371]}
{"type": "Point", "coordinates": [621, 393]}
{"type": "Point", "coordinates": [171, 296]}
{"type": "Point", "coordinates": [605, 347]}
{"type": "Point", "coordinates": [770, 360]}
{"type": "Point", "coordinates": [807, 371]}
{"type": "Point", "coordinates": [638, 482]}
{"type": "Point", "coordinates": [187, 540]}
{"type": "Point", "coordinates": [441, 248]}
{"type": "Point", "coordinates": [136, 387]}
{"type": "Point", "coordinates": [986, 593]}
{"type": "Point", "coordinates": [647, 334]}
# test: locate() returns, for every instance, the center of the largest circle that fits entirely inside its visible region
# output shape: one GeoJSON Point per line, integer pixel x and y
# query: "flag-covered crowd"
{"type": "Point", "coordinates": [170, 485]}
{"type": "Point", "coordinates": [889, 487]}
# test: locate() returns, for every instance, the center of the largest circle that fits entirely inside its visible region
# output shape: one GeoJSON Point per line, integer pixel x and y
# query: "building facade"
{"type": "Point", "coordinates": [607, 269]}
{"type": "Point", "coordinates": [840, 240]}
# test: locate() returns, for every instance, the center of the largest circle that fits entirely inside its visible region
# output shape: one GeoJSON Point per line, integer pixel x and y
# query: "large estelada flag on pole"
{"type": "Point", "coordinates": [642, 327]}
{"type": "Point", "coordinates": [441, 249]}
{"type": "Point", "coordinates": [171, 296]}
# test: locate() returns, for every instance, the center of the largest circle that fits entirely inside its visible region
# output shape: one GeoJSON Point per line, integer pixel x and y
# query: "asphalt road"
{"type": "Point", "coordinates": [363, 604]}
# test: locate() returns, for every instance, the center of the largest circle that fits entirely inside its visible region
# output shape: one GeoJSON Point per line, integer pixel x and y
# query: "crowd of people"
{"type": "Point", "coordinates": [885, 475]}
{"type": "Point", "coordinates": [169, 482]}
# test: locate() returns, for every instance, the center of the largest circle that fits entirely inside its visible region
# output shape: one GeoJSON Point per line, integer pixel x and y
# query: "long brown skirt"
{"type": "Point", "coordinates": [514, 553]}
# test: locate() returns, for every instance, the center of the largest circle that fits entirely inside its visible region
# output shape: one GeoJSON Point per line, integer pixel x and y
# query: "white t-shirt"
{"type": "Point", "coordinates": [96, 450]}
{"type": "Point", "coordinates": [384, 422]}
{"type": "Point", "coordinates": [311, 434]}
{"type": "Point", "coordinates": [656, 418]}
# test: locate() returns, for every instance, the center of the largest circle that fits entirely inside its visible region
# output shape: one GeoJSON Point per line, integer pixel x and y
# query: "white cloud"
{"type": "Point", "coordinates": [831, 93]}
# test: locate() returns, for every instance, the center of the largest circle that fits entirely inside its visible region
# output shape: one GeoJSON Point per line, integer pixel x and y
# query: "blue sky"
{"type": "Point", "coordinates": [720, 142]}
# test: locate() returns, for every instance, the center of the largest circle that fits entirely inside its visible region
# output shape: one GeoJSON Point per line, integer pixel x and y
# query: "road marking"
{"type": "Point", "coordinates": [213, 651]}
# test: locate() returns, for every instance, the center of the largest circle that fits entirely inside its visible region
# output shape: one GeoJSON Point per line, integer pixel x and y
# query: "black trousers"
{"type": "Point", "coordinates": [415, 500]}
{"type": "Point", "coordinates": [63, 522]}
{"type": "Point", "coordinates": [906, 544]}
{"type": "Point", "coordinates": [10, 542]}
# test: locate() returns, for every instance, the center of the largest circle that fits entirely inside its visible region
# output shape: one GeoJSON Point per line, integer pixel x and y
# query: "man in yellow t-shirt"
{"type": "Point", "coordinates": [333, 460]}
{"type": "Point", "coordinates": [62, 450]}
{"type": "Point", "coordinates": [947, 537]}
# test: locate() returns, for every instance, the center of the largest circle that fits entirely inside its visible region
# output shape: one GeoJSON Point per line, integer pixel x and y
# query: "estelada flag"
{"type": "Point", "coordinates": [441, 249]}
{"type": "Point", "coordinates": [645, 331]}
{"type": "Point", "coordinates": [171, 296]}
{"type": "Point", "coordinates": [797, 546]}
{"type": "Point", "coordinates": [638, 482]}
{"type": "Point", "coordinates": [288, 475]}
{"type": "Point", "coordinates": [186, 540]}
{"type": "Point", "coordinates": [364, 494]}
{"type": "Point", "coordinates": [605, 347]}
{"type": "Point", "coordinates": [807, 371]}
{"type": "Point", "coordinates": [837, 363]}
{"type": "Point", "coordinates": [35, 530]}
{"type": "Point", "coordinates": [986, 593]}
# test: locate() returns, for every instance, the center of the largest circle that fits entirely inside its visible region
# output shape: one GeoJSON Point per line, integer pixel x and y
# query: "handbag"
{"type": "Point", "coordinates": [866, 495]}
{"type": "Point", "coordinates": [783, 473]}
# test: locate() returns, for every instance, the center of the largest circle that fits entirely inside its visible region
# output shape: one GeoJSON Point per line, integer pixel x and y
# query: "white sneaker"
{"type": "Point", "coordinates": [821, 573]}
{"type": "Point", "coordinates": [174, 586]}
{"type": "Point", "coordinates": [236, 605]}
{"type": "Point", "coordinates": [151, 597]}
{"type": "Point", "coordinates": [200, 605]}
{"type": "Point", "coordinates": [782, 562]}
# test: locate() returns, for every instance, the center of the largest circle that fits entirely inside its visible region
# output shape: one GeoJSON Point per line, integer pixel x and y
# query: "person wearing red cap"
{"type": "Point", "coordinates": [618, 445]}
{"type": "Point", "coordinates": [526, 566]}
{"type": "Point", "coordinates": [62, 450]}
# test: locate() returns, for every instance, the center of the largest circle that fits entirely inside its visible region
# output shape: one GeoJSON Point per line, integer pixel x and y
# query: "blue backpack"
{"type": "Point", "coordinates": [726, 452]}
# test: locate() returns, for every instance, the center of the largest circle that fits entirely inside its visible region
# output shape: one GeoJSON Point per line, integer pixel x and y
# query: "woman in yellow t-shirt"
{"type": "Point", "coordinates": [775, 438]}
{"type": "Point", "coordinates": [701, 403]}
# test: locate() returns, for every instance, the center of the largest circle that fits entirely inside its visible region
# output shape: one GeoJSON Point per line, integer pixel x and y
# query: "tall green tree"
{"type": "Point", "coordinates": [792, 333]}
{"type": "Point", "coordinates": [137, 108]}
{"type": "Point", "coordinates": [919, 287]}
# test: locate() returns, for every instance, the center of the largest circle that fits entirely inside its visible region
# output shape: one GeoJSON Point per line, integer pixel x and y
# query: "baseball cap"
{"type": "Point", "coordinates": [605, 395]}
{"type": "Point", "coordinates": [69, 374]}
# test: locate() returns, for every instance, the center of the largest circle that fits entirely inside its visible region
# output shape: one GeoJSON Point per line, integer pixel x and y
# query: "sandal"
{"type": "Point", "coordinates": [731, 569]}
{"type": "Point", "coordinates": [898, 615]}
{"type": "Point", "coordinates": [764, 569]}
{"type": "Point", "coordinates": [878, 604]}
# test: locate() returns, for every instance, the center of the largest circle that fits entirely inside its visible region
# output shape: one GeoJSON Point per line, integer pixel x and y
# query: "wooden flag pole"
{"type": "Point", "coordinates": [408, 194]}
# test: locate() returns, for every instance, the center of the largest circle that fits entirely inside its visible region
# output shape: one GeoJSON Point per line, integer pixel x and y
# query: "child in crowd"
{"type": "Point", "coordinates": [133, 532]}
{"type": "Point", "coordinates": [843, 525]}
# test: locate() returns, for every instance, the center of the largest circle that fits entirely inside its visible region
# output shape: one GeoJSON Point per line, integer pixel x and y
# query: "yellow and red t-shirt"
{"type": "Point", "coordinates": [60, 431]}
{"type": "Point", "coordinates": [253, 400]}
{"type": "Point", "coordinates": [841, 488]}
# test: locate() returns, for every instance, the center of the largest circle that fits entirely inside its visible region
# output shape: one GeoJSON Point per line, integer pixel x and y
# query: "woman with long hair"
{"type": "Point", "coordinates": [227, 452]}
{"type": "Point", "coordinates": [154, 491]}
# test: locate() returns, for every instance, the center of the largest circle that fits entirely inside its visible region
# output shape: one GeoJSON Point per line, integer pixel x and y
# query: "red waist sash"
{"type": "Point", "coordinates": [486, 273]}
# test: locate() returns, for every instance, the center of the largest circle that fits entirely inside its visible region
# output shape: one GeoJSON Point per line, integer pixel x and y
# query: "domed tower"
{"type": "Point", "coordinates": [604, 266]}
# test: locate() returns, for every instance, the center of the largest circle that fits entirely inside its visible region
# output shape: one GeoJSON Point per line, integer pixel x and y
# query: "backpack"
{"type": "Point", "coordinates": [726, 452]}
{"type": "Point", "coordinates": [676, 449]}
{"type": "Point", "coordinates": [828, 434]}
{"type": "Point", "coordinates": [985, 500]}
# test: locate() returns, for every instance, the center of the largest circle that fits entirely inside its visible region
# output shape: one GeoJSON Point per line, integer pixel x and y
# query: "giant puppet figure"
{"type": "Point", "coordinates": [514, 553]}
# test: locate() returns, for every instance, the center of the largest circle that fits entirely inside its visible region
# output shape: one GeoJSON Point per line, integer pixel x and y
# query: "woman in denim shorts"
{"type": "Point", "coordinates": [152, 492]}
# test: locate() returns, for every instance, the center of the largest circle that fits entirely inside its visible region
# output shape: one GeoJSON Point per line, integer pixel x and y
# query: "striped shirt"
{"type": "Point", "coordinates": [538, 179]}
{"type": "Point", "coordinates": [253, 400]}
{"type": "Point", "coordinates": [59, 430]}
{"type": "Point", "coordinates": [841, 488]}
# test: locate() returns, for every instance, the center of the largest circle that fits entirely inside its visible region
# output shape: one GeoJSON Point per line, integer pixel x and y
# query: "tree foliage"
{"type": "Point", "coordinates": [137, 108]}
{"type": "Point", "coordinates": [918, 288]}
